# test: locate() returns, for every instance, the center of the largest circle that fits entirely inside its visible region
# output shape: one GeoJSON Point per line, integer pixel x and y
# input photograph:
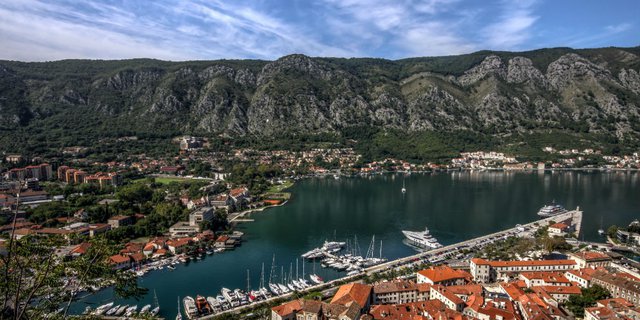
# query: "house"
{"type": "Point", "coordinates": [558, 229]}
{"type": "Point", "coordinates": [221, 201]}
{"type": "Point", "coordinates": [354, 292]}
{"type": "Point", "coordinates": [420, 310]}
{"type": "Point", "coordinates": [544, 278]}
{"type": "Point", "coordinates": [560, 294]}
{"type": "Point", "coordinates": [80, 249]}
{"type": "Point", "coordinates": [178, 245]}
{"type": "Point", "coordinates": [120, 221]}
{"type": "Point", "coordinates": [443, 275]}
{"type": "Point", "coordinates": [201, 215]}
{"type": "Point", "coordinates": [620, 286]}
{"type": "Point", "coordinates": [315, 310]}
{"type": "Point", "coordinates": [612, 309]}
{"type": "Point", "coordinates": [138, 259]}
{"type": "Point", "coordinates": [120, 262]}
{"type": "Point", "coordinates": [484, 271]}
{"type": "Point", "coordinates": [531, 306]}
{"type": "Point", "coordinates": [590, 259]}
{"type": "Point", "coordinates": [400, 291]}
{"type": "Point", "coordinates": [448, 298]}
{"type": "Point", "coordinates": [240, 196]}
{"type": "Point", "coordinates": [183, 228]}
{"type": "Point", "coordinates": [582, 277]}
{"type": "Point", "coordinates": [98, 228]}
{"type": "Point", "coordinates": [286, 311]}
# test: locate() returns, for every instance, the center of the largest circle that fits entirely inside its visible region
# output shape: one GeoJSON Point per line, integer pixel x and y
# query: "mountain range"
{"type": "Point", "coordinates": [494, 94]}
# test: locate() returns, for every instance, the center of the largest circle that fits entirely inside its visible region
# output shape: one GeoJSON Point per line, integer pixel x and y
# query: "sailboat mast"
{"type": "Point", "coordinates": [248, 284]}
{"type": "Point", "coordinates": [297, 277]}
{"type": "Point", "coordinates": [262, 277]}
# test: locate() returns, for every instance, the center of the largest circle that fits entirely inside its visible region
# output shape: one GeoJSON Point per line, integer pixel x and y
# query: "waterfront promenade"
{"type": "Point", "coordinates": [529, 229]}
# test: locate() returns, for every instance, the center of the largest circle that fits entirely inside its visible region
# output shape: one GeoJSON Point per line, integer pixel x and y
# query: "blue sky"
{"type": "Point", "coordinates": [39, 30]}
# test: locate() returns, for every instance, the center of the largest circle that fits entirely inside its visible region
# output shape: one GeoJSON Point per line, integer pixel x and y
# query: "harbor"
{"type": "Point", "coordinates": [362, 207]}
{"type": "Point", "coordinates": [432, 255]}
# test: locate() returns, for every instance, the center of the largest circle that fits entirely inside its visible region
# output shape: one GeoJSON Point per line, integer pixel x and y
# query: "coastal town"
{"type": "Point", "coordinates": [163, 212]}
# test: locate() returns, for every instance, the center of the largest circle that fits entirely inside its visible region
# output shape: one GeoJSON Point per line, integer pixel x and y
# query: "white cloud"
{"type": "Point", "coordinates": [618, 28]}
{"type": "Point", "coordinates": [513, 26]}
{"type": "Point", "coordinates": [434, 39]}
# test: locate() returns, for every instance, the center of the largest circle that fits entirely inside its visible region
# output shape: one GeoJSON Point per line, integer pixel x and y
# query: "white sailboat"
{"type": "Point", "coordinates": [179, 315]}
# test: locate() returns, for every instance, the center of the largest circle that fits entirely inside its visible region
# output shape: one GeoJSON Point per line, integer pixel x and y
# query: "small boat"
{"type": "Point", "coordinates": [171, 267]}
{"type": "Point", "coordinates": [130, 311]}
{"type": "Point", "coordinates": [315, 278]}
{"type": "Point", "coordinates": [274, 289]}
{"type": "Point", "coordinates": [213, 302]}
{"type": "Point", "coordinates": [179, 315]}
{"type": "Point", "coordinates": [155, 311]}
{"type": "Point", "coordinates": [121, 310]}
{"type": "Point", "coordinates": [403, 190]}
{"type": "Point", "coordinates": [112, 310]}
{"type": "Point", "coordinates": [226, 293]}
{"type": "Point", "coordinates": [145, 309]}
{"type": "Point", "coordinates": [202, 305]}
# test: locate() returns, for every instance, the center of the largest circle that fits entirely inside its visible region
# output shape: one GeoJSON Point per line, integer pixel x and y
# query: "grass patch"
{"type": "Point", "coordinates": [277, 188]}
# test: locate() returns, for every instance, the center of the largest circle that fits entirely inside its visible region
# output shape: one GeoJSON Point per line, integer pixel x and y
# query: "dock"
{"type": "Point", "coordinates": [574, 216]}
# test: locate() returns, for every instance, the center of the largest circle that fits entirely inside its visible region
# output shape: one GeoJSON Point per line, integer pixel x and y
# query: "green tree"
{"type": "Point", "coordinates": [577, 303]}
{"type": "Point", "coordinates": [35, 280]}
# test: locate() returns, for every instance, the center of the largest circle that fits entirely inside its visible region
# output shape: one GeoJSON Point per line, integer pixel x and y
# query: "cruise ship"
{"type": "Point", "coordinates": [422, 239]}
{"type": "Point", "coordinates": [551, 210]}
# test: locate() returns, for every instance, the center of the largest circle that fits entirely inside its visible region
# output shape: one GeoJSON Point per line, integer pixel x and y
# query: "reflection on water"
{"type": "Point", "coordinates": [454, 206]}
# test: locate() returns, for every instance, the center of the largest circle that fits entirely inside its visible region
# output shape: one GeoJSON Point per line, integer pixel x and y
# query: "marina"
{"type": "Point", "coordinates": [362, 207]}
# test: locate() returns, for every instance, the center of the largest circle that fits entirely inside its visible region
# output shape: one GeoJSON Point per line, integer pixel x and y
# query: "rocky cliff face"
{"type": "Point", "coordinates": [500, 93]}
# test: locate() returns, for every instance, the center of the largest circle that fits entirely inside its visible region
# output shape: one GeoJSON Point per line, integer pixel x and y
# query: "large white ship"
{"type": "Point", "coordinates": [422, 239]}
{"type": "Point", "coordinates": [551, 210]}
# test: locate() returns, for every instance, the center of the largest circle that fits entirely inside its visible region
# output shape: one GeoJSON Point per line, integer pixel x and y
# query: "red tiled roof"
{"type": "Point", "coordinates": [615, 301]}
{"type": "Point", "coordinates": [559, 289]}
{"type": "Point", "coordinates": [117, 259]}
{"type": "Point", "coordinates": [237, 192]}
{"type": "Point", "coordinates": [444, 273]}
{"type": "Point", "coordinates": [584, 273]}
{"type": "Point", "coordinates": [513, 291]}
{"type": "Point", "coordinates": [546, 276]}
{"type": "Point", "coordinates": [559, 225]}
{"type": "Point", "coordinates": [592, 256]}
{"type": "Point", "coordinates": [138, 257]}
{"type": "Point", "coordinates": [497, 264]}
{"type": "Point", "coordinates": [288, 308]}
{"type": "Point", "coordinates": [81, 248]}
{"type": "Point", "coordinates": [356, 292]}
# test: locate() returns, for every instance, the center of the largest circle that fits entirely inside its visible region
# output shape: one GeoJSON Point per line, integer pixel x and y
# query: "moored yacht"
{"type": "Point", "coordinates": [422, 239]}
{"type": "Point", "coordinates": [190, 307]}
{"type": "Point", "coordinates": [551, 210]}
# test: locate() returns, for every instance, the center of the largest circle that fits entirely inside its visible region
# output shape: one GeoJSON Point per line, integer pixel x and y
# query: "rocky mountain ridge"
{"type": "Point", "coordinates": [497, 93]}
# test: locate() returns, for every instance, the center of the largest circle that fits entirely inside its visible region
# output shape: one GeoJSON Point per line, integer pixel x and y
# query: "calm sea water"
{"type": "Point", "coordinates": [455, 206]}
